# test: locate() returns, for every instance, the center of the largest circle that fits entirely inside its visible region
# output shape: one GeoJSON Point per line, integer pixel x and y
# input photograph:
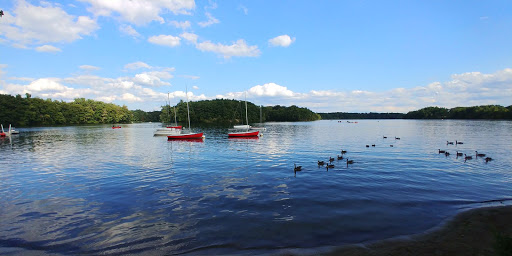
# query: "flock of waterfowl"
{"type": "Point", "coordinates": [329, 164]}
{"type": "Point", "coordinates": [466, 157]}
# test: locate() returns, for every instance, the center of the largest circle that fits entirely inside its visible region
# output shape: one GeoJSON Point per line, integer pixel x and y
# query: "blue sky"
{"type": "Point", "coordinates": [329, 56]}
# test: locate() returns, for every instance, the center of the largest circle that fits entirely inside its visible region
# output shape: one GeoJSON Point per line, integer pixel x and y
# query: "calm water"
{"type": "Point", "coordinates": [95, 190]}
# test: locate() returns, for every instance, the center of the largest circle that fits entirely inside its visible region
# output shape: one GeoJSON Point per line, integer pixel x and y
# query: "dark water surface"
{"type": "Point", "coordinates": [95, 190]}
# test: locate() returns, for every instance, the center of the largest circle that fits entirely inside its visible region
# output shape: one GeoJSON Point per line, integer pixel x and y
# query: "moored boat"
{"type": "Point", "coordinates": [244, 134]}
{"type": "Point", "coordinates": [186, 135]}
{"type": "Point", "coordinates": [116, 127]}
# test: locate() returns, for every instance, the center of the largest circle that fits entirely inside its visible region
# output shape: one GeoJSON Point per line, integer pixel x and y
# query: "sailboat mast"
{"type": "Point", "coordinates": [168, 107]}
{"type": "Point", "coordinates": [175, 122]}
{"type": "Point", "coordinates": [246, 117]}
{"type": "Point", "coordinates": [188, 111]}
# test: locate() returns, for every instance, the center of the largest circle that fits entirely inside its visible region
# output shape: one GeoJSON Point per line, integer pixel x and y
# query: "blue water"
{"type": "Point", "coordinates": [95, 190]}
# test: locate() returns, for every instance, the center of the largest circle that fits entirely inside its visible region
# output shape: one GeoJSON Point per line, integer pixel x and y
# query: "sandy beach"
{"type": "Point", "coordinates": [474, 232]}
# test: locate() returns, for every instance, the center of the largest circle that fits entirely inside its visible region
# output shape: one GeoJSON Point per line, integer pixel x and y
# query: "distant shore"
{"type": "Point", "coordinates": [480, 231]}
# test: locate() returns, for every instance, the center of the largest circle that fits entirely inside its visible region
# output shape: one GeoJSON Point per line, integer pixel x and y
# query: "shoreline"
{"type": "Point", "coordinates": [471, 232]}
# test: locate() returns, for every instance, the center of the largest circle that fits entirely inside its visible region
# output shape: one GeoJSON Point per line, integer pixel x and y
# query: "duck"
{"type": "Point", "coordinates": [459, 153]}
{"type": "Point", "coordinates": [367, 146]}
{"type": "Point", "coordinates": [331, 159]}
{"type": "Point", "coordinates": [391, 145]}
{"type": "Point", "coordinates": [446, 153]}
{"type": "Point", "coordinates": [397, 138]}
{"type": "Point", "coordinates": [373, 145]}
{"type": "Point", "coordinates": [477, 154]}
{"type": "Point", "coordinates": [466, 157]}
{"type": "Point", "coordinates": [350, 161]}
{"type": "Point", "coordinates": [297, 168]}
{"type": "Point", "coordinates": [449, 142]}
{"type": "Point", "coordinates": [330, 166]}
{"type": "Point", "coordinates": [459, 142]}
{"type": "Point", "coordinates": [343, 151]}
{"type": "Point", "coordinates": [487, 159]}
{"type": "Point", "coordinates": [441, 151]}
{"type": "Point", "coordinates": [340, 157]}
{"type": "Point", "coordinates": [321, 162]}
{"type": "Point", "coordinates": [384, 137]}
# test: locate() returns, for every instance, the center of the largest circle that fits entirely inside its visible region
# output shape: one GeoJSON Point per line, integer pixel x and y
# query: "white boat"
{"type": "Point", "coordinates": [13, 131]}
{"type": "Point", "coordinates": [243, 130]}
{"type": "Point", "coordinates": [242, 127]}
{"type": "Point", "coordinates": [167, 131]}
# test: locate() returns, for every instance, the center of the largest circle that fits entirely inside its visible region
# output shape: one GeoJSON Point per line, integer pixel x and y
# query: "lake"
{"type": "Point", "coordinates": [96, 190]}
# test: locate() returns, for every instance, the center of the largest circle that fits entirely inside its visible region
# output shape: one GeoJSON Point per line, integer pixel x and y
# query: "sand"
{"type": "Point", "coordinates": [473, 232]}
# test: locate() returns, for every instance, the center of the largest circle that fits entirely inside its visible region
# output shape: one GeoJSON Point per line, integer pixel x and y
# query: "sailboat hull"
{"type": "Point", "coordinates": [187, 136]}
{"type": "Point", "coordinates": [244, 134]}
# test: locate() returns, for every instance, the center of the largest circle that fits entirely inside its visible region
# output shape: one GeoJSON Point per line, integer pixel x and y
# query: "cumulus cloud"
{"type": "Point", "coordinates": [89, 67]}
{"type": "Point", "coordinates": [48, 48]}
{"type": "Point", "coordinates": [32, 24]}
{"type": "Point", "coordinates": [183, 24]}
{"type": "Point", "coordinates": [152, 78]}
{"type": "Point", "coordinates": [211, 20]}
{"type": "Point", "coordinates": [139, 12]}
{"type": "Point", "coordinates": [136, 65]}
{"type": "Point", "coordinates": [238, 49]}
{"type": "Point", "coordinates": [282, 40]}
{"type": "Point", "coordinates": [189, 37]}
{"type": "Point", "coordinates": [165, 40]}
{"type": "Point", "coordinates": [129, 30]}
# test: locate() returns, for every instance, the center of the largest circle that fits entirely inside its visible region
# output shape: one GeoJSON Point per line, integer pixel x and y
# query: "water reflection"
{"type": "Point", "coordinates": [95, 190]}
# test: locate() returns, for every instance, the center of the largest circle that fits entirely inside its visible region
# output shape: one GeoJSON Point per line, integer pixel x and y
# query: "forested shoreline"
{"type": "Point", "coordinates": [29, 111]}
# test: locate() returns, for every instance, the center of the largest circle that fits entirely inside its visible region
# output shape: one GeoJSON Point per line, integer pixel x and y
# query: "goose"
{"type": "Point", "coordinates": [441, 151]}
{"type": "Point", "coordinates": [367, 146]}
{"type": "Point", "coordinates": [446, 153]}
{"type": "Point", "coordinates": [330, 166]}
{"type": "Point", "coordinates": [343, 151]}
{"type": "Point", "coordinates": [297, 168]}
{"type": "Point", "coordinates": [350, 161]}
{"type": "Point", "coordinates": [487, 159]}
{"type": "Point", "coordinates": [373, 145]}
{"type": "Point", "coordinates": [384, 137]}
{"type": "Point", "coordinates": [397, 138]}
{"type": "Point", "coordinates": [321, 162]}
{"type": "Point", "coordinates": [467, 157]}
{"type": "Point", "coordinates": [481, 155]}
{"type": "Point", "coordinates": [340, 157]}
{"type": "Point", "coordinates": [459, 142]}
{"type": "Point", "coordinates": [449, 142]}
{"type": "Point", "coordinates": [331, 159]}
{"type": "Point", "coordinates": [459, 153]}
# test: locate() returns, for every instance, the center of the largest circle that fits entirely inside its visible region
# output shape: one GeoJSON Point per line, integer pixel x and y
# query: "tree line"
{"type": "Point", "coordinates": [28, 111]}
{"type": "Point", "coordinates": [495, 112]}
{"type": "Point", "coordinates": [371, 115]}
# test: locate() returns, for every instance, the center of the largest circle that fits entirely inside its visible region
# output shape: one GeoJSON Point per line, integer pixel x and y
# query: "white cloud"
{"type": "Point", "coordinates": [270, 90]}
{"type": "Point", "coordinates": [48, 48]}
{"type": "Point", "coordinates": [136, 65]}
{"type": "Point", "coordinates": [211, 20]}
{"type": "Point", "coordinates": [189, 37]}
{"type": "Point", "coordinates": [282, 40]}
{"type": "Point", "coordinates": [183, 24]}
{"type": "Point", "coordinates": [239, 49]}
{"type": "Point", "coordinates": [139, 12]}
{"type": "Point", "coordinates": [244, 9]}
{"type": "Point", "coordinates": [129, 97]}
{"type": "Point", "coordinates": [43, 24]}
{"type": "Point", "coordinates": [165, 40]}
{"type": "Point", "coordinates": [152, 78]}
{"type": "Point", "coordinates": [129, 30]}
{"type": "Point", "coordinates": [195, 87]}
{"type": "Point", "coordinates": [46, 84]}
{"type": "Point", "coordinates": [89, 67]}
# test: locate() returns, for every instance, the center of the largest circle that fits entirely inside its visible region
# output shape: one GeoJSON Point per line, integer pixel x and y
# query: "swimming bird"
{"type": "Point", "coordinates": [330, 166]}
{"type": "Point", "coordinates": [391, 145]}
{"type": "Point", "coordinates": [449, 142]}
{"type": "Point", "coordinates": [397, 138]}
{"type": "Point", "coordinates": [479, 155]}
{"type": "Point", "coordinates": [384, 137]}
{"type": "Point", "coordinates": [487, 159]}
{"type": "Point", "coordinates": [340, 157]}
{"type": "Point", "coordinates": [441, 151]}
{"type": "Point", "coordinates": [350, 161]}
{"type": "Point", "coordinates": [373, 145]}
{"type": "Point", "coordinates": [343, 152]}
{"type": "Point", "coordinates": [297, 168]}
{"type": "Point", "coordinates": [446, 153]}
{"type": "Point", "coordinates": [367, 146]}
{"type": "Point", "coordinates": [467, 157]}
{"type": "Point", "coordinates": [459, 142]}
{"type": "Point", "coordinates": [321, 162]}
{"type": "Point", "coordinates": [331, 159]}
{"type": "Point", "coordinates": [459, 153]}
